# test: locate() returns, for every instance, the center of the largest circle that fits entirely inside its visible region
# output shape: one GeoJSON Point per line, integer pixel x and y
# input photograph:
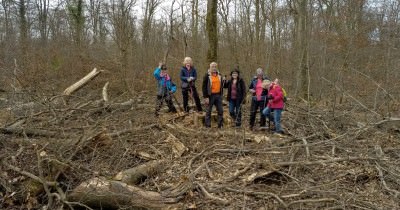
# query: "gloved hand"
{"type": "Point", "coordinates": [269, 97]}
{"type": "Point", "coordinates": [189, 79]}
{"type": "Point", "coordinates": [252, 91]}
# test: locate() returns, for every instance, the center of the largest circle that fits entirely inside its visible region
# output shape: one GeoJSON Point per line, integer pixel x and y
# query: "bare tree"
{"type": "Point", "coordinates": [76, 13]}
{"type": "Point", "coordinates": [42, 7]}
{"type": "Point", "coordinates": [123, 30]}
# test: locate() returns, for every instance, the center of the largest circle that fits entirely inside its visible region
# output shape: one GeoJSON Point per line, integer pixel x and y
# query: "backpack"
{"type": "Point", "coordinates": [284, 94]}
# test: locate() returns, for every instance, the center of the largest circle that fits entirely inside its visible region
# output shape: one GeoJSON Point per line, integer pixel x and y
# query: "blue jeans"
{"type": "Point", "coordinates": [235, 111]}
{"type": "Point", "coordinates": [277, 117]}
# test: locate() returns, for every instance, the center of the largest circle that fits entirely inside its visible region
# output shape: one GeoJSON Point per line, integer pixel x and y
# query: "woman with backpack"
{"type": "Point", "coordinates": [275, 105]}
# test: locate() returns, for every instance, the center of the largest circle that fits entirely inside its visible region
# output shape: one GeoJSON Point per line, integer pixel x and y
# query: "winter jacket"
{"type": "Point", "coordinates": [207, 85]}
{"type": "Point", "coordinates": [240, 89]}
{"type": "Point", "coordinates": [185, 74]}
{"type": "Point", "coordinates": [276, 95]}
{"type": "Point", "coordinates": [164, 83]}
{"type": "Point", "coordinates": [253, 85]}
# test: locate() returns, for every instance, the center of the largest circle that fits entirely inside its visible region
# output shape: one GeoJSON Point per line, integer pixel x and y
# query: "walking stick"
{"type": "Point", "coordinates": [177, 102]}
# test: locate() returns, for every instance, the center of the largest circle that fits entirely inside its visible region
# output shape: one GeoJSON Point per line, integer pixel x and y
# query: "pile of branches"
{"type": "Point", "coordinates": [93, 153]}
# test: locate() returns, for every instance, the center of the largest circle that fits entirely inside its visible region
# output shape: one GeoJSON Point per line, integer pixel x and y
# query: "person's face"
{"type": "Point", "coordinates": [164, 69]}
{"type": "Point", "coordinates": [234, 75]}
{"type": "Point", "coordinates": [213, 67]}
{"type": "Point", "coordinates": [214, 71]}
{"type": "Point", "coordinates": [188, 65]}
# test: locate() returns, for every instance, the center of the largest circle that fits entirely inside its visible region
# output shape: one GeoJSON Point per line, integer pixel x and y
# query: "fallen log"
{"type": "Point", "coordinates": [76, 86]}
{"type": "Point", "coordinates": [100, 193]}
{"type": "Point", "coordinates": [138, 174]}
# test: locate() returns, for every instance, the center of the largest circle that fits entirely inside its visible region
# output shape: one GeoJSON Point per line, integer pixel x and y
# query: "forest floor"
{"type": "Point", "coordinates": [347, 158]}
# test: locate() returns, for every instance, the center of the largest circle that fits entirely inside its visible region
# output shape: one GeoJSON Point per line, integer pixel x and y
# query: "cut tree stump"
{"type": "Point", "coordinates": [99, 193]}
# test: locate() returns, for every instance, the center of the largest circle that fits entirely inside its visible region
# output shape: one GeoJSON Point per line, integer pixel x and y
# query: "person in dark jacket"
{"type": "Point", "coordinates": [188, 76]}
{"type": "Point", "coordinates": [213, 85]}
{"type": "Point", "coordinates": [259, 97]}
{"type": "Point", "coordinates": [165, 87]}
{"type": "Point", "coordinates": [236, 96]}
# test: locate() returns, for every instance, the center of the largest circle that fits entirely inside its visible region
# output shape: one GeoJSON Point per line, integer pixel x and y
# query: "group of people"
{"type": "Point", "coordinates": [267, 96]}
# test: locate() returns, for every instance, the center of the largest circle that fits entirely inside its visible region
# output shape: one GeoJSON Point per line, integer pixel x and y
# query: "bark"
{"type": "Point", "coordinates": [212, 31]}
{"type": "Point", "coordinates": [138, 174]}
{"type": "Point", "coordinates": [76, 86]}
{"type": "Point", "coordinates": [105, 194]}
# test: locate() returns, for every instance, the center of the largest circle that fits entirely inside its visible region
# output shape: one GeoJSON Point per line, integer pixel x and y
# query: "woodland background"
{"type": "Point", "coordinates": [338, 60]}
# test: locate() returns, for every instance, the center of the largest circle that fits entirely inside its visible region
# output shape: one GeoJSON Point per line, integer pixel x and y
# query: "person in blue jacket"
{"type": "Point", "coordinates": [188, 77]}
{"type": "Point", "coordinates": [165, 89]}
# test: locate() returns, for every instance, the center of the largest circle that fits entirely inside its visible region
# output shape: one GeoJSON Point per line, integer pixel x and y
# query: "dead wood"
{"type": "Point", "coordinates": [27, 132]}
{"type": "Point", "coordinates": [76, 86]}
{"type": "Point", "coordinates": [105, 92]}
{"type": "Point", "coordinates": [178, 148]}
{"type": "Point", "coordinates": [102, 193]}
{"type": "Point", "coordinates": [139, 173]}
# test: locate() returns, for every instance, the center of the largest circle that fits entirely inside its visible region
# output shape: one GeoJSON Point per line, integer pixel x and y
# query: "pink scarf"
{"type": "Point", "coordinates": [166, 78]}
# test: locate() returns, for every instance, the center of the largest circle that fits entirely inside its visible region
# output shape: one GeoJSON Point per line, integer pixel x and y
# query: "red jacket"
{"type": "Point", "coordinates": [275, 92]}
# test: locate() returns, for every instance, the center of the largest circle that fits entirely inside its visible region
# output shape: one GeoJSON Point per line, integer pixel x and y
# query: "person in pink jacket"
{"type": "Point", "coordinates": [275, 104]}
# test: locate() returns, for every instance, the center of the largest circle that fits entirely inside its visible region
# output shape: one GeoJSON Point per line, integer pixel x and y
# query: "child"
{"type": "Point", "coordinates": [165, 88]}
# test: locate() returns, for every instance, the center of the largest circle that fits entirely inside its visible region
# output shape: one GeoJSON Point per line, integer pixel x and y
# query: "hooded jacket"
{"type": "Point", "coordinates": [164, 82]}
{"type": "Point", "coordinates": [276, 95]}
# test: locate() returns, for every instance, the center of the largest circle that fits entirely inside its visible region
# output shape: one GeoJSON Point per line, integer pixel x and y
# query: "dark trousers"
{"type": "Point", "coordinates": [253, 110]}
{"type": "Point", "coordinates": [235, 111]}
{"type": "Point", "coordinates": [215, 99]}
{"type": "Point", "coordinates": [168, 99]}
{"type": "Point", "coordinates": [185, 94]}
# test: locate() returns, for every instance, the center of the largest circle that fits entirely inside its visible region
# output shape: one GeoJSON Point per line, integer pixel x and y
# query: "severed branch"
{"type": "Point", "coordinates": [105, 194]}
{"type": "Point", "coordinates": [76, 86]}
{"type": "Point", "coordinates": [323, 161]}
{"type": "Point", "coordinates": [212, 197]}
{"type": "Point", "coordinates": [105, 92]}
{"type": "Point", "coordinates": [258, 193]}
{"type": "Point", "coordinates": [395, 192]}
{"type": "Point", "coordinates": [239, 172]}
{"type": "Point", "coordinates": [27, 131]}
{"type": "Point", "coordinates": [30, 175]}
{"type": "Point", "coordinates": [137, 174]}
{"type": "Point", "coordinates": [312, 201]}
{"type": "Point", "coordinates": [307, 149]}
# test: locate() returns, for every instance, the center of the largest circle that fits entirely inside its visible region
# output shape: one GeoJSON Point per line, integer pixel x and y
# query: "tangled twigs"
{"type": "Point", "coordinates": [259, 193]}
{"type": "Point", "coordinates": [212, 197]}
{"type": "Point", "coordinates": [381, 177]}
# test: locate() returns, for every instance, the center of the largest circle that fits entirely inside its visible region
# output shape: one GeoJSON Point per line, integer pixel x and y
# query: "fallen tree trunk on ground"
{"type": "Point", "coordinates": [105, 194]}
{"type": "Point", "coordinates": [76, 86]}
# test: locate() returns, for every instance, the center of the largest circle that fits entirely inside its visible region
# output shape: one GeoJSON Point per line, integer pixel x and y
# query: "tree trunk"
{"type": "Point", "coordinates": [212, 31]}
